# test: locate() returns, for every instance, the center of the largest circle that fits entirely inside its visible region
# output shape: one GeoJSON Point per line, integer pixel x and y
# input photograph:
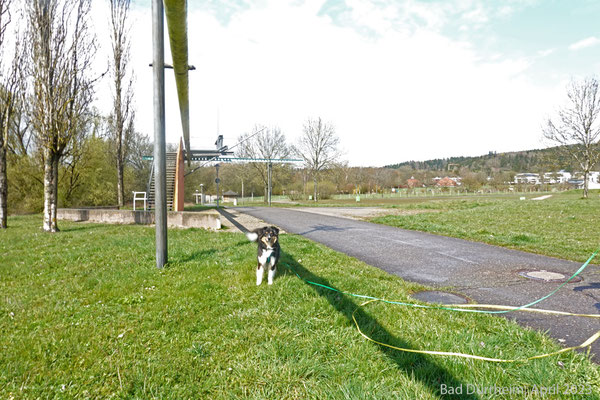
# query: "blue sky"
{"type": "Point", "coordinates": [399, 80]}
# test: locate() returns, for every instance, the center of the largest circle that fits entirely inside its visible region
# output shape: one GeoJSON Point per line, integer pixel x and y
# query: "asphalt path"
{"type": "Point", "coordinates": [485, 274]}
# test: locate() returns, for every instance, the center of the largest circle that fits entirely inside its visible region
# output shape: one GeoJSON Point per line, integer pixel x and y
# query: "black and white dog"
{"type": "Point", "coordinates": [268, 251]}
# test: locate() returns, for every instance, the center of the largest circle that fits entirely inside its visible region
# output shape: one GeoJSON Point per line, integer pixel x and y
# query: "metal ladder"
{"type": "Point", "coordinates": [171, 171]}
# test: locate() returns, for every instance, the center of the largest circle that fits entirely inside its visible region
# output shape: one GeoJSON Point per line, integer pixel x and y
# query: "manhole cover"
{"type": "Point", "coordinates": [546, 276]}
{"type": "Point", "coordinates": [437, 296]}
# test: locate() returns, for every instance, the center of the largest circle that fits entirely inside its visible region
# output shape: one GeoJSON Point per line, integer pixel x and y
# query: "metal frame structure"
{"type": "Point", "coordinates": [270, 162]}
{"type": "Point", "coordinates": [176, 16]}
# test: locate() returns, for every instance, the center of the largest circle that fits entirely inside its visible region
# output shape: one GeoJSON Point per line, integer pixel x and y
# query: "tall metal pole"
{"type": "Point", "coordinates": [160, 164]}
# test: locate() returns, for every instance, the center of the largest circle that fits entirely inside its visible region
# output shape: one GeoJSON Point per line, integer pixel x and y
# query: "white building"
{"type": "Point", "coordinates": [593, 180]}
{"type": "Point", "coordinates": [561, 176]}
{"type": "Point", "coordinates": [527, 177]}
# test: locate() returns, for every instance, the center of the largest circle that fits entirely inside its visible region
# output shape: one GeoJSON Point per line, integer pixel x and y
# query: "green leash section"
{"type": "Point", "coordinates": [511, 309]}
{"type": "Point", "coordinates": [504, 309]}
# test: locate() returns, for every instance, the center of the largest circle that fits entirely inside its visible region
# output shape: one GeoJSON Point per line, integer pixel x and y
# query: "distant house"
{"type": "Point", "coordinates": [413, 183]}
{"type": "Point", "coordinates": [447, 182]}
{"type": "Point", "coordinates": [230, 195]}
{"type": "Point", "coordinates": [528, 177]}
{"type": "Point", "coordinates": [575, 179]}
{"type": "Point", "coordinates": [593, 181]}
{"type": "Point", "coordinates": [561, 176]}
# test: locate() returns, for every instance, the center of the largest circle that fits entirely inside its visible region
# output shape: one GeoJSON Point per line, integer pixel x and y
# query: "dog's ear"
{"type": "Point", "coordinates": [276, 229]}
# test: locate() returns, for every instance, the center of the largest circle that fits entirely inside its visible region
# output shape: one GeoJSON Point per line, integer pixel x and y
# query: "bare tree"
{"type": "Point", "coordinates": [75, 161]}
{"type": "Point", "coordinates": [6, 106]}
{"type": "Point", "coordinates": [578, 129]}
{"type": "Point", "coordinates": [19, 132]}
{"type": "Point", "coordinates": [270, 144]}
{"type": "Point", "coordinates": [318, 146]}
{"type": "Point", "coordinates": [121, 119]}
{"type": "Point", "coordinates": [62, 48]}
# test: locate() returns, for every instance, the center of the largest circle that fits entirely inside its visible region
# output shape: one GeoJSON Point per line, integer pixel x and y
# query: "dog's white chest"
{"type": "Point", "coordinates": [264, 257]}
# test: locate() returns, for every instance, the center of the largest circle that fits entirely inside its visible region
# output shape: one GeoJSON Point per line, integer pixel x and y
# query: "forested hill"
{"type": "Point", "coordinates": [519, 161]}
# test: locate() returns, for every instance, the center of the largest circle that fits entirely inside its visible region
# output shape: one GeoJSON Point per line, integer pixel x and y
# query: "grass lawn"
{"type": "Point", "coordinates": [85, 314]}
{"type": "Point", "coordinates": [395, 200]}
{"type": "Point", "coordinates": [563, 226]}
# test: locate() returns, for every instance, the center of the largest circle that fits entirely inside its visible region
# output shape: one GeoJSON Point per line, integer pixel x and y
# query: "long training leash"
{"type": "Point", "coordinates": [499, 309]}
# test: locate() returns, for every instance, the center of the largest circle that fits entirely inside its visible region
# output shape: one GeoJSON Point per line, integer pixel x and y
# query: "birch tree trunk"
{"type": "Point", "coordinates": [586, 175]}
{"type": "Point", "coordinates": [120, 185]}
{"type": "Point", "coordinates": [5, 106]}
{"type": "Point", "coordinates": [50, 191]}
{"type": "Point", "coordinates": [3, 185]}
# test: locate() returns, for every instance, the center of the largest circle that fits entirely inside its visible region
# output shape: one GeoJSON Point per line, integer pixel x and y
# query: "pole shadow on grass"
{"type": "Point", "coordinates": [422, 367]}
{"type": "Point", "coordinates": [231, 219]}
{"type": "Point", "coordinates": [326, 228]}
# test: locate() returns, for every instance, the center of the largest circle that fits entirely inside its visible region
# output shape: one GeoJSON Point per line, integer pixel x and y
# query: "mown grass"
{"type": "Point", "coordinates": [85, 314]}
{"type": "Point", "coordinates": [397, 200]}
{"type": "Point", "coordinates": [564, 226]}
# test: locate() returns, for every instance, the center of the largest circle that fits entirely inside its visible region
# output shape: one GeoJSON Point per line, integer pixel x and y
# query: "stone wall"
{"type": "Point", "coordinates": [175, 219]}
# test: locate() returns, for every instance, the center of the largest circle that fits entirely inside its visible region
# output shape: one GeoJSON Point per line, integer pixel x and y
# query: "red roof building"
{"type": "Point", "coordinates": [446, 182]}
{"type": "Point", "coordinates": [413, 183]}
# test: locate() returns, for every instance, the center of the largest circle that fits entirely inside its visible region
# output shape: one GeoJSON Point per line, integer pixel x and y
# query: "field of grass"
{"type": "Point", "coordinates": [563, 226]}
{"type": "Point", "coordinates": [85, 314]}
{"type": "Point", "coordinates": [394, 200]}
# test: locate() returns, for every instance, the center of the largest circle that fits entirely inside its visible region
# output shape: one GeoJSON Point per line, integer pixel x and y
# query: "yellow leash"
{"type": "Point", "coordinates": [467, 308]}
{"type": "Point", "coordinates": [586, 343]}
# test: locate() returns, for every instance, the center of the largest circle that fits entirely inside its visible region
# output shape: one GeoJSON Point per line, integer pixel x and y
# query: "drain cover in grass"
{"type": "Point", "coordinates": [437, 296]}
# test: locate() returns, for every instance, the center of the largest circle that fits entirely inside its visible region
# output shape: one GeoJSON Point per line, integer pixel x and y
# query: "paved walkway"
{"type": "Point", "coordinates": [487, 274]}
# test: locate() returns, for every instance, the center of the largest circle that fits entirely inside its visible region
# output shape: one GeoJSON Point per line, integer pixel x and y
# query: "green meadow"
{"type": "Point", "coordinates": [563, 225]}
{"type": "Point", "coordinates": [85, 314]}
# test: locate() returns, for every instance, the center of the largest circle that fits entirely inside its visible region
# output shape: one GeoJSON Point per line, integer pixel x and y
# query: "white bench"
{"type": "Point", "coordinates": [139, 196]}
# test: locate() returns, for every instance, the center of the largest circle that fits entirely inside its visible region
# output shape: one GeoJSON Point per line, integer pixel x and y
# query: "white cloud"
{"type": "Point", "coordinates": [400, 96]}
{"type": "Point", "coordinates": [585, 43]}
{"type": "Point", "coordinates": [546, 52]}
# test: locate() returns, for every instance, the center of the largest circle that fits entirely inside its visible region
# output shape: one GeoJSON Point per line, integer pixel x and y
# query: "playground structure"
{"type": "Point", "coordinates": [164, 182]}
{"type": "Point", "coordinates": [175, 167]}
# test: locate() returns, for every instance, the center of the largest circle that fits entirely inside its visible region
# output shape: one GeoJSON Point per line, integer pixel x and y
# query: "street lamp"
{"type": "Point", "coordinates": [217, 181]}
{"type": "Point", "coordinates": [202, 193]}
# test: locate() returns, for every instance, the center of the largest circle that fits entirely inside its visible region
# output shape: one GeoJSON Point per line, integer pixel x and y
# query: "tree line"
{"type": "Point", "coordinates": [47, 118]}
{"type": "Point", "coordinates": [57, 149]}
{"type": "Point", "coordinates": [573, 134]}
